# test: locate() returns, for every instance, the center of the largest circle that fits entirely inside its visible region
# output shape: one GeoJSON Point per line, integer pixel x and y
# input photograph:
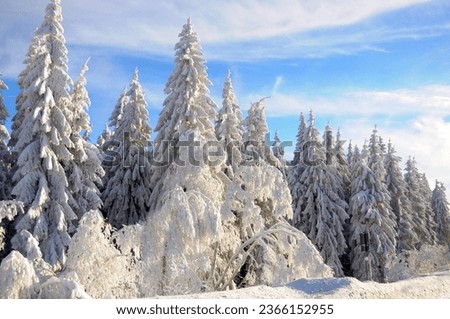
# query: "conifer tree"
{"type": "Point", "coordinates": [421, 204]}
{"type": "Point", "coordinates": [324, 212]}
{"type": "Point", "coordinates": [84, 172]}
{"type": "Point", "coordinates": [229, 128]}
{"type": "Point", "coordinates": [299, 141]}
{"type": "Point", "coordinates": [256, 149]}
{"type": "Point", "coordinates": [295, 172]}
{"type": "Point", "coordinates": [373, 237]}
{"type": "Point", "coordinates": [43, 142]}
{"type": "Point", "coordinates": [185, 221]}
{"type": "Point", "coordinates": [441, 211]}
{"type": "Point", "coordinates": [400, 203]}
{"type": "Point", "coordinates": [127, 194]}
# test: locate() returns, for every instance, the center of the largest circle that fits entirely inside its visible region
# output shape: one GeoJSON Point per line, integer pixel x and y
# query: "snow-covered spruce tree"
{"type": "Point", "coordinates": [342, 166]}
{"type": "Point", "coordinates": [401, 205]}
{"type": "Point", "coordinates": [421, 204]}
{"type": "Point", "coordinates": [295, 172]}
{"type": "Point", "coordinates": [127, 194]}
{"type": "Point", "coordinates": [229, 130]}
{"type": "Point", "coordinates": [441, 211]}
{"type": "Point", "coordinates": [109, 141]}
{"type": "Point", "coordinates": [255, 146]}
{"type": "Point", "coordinates": [185, 222]}
{"type": "Point", "coordinates": [373, 236]}
{"type": "Point", "coordinates": [103, 138]}
{"type": "Point", "coordinates": [277, 148]}
{"type": "Point", "coordinates": [428, 194]}
{"type": "Point", "coordinates": [299, 141]}
{"type": "Point", "coordinates": [324, 212]}
{"type": "Point", "coordinates": [84, 172]}
{"type": "Point", "coordinates": [43, 143]}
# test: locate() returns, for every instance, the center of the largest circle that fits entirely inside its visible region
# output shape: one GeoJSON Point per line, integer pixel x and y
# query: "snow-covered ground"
{"type": "Point", "coordinates": [431, 286]}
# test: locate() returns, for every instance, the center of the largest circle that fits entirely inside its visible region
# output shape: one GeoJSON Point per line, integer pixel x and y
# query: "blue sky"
{"type": "Point", "coordinates": [354, 63]}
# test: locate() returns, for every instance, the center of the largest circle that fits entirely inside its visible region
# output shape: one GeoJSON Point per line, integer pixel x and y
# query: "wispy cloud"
{"type": "Point", "coordinates": [429, 100]}
{"type": "Point", "coordinates": [232, 30]}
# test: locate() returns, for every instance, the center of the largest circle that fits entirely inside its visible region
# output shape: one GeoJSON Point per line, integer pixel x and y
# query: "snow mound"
{"type": "Point", "coordinates": [432, 286]}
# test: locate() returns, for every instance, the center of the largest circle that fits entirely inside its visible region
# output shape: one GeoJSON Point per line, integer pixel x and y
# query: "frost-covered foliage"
{"type": "Point", "coordinates": [441, 211]}
{"type": "Point", "coordinates": [8, 211]}
{"type": "Point", "coordinates": [5, 155]}
{"type": "Point", "coordinates": [421, 204]}
{"type": "Point", "coordinates": [372, 225]}
{"type": "Point", "coordinates": [400, 203]}
{"type": "Point", "coordinates": [43, 142]}
{"type": "Point", "coordinates": [426, 260]}
{"type": "Point", "coordinates": [183, 233]}
{"type": "Point", "coordinates": [127, 193]}
{"type": "Point", "coordinates": [229, 128]}
{"type": "Point", "coordinates": [261, 203]}
{"type": "Point", "coordinates": [17, 277]}
{"type": "Point", "coordinates": [102, 269]}
{"type": "Point", "coordinates": [324, 212]}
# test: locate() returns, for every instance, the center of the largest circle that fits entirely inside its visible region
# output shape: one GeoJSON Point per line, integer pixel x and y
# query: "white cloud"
{"type": "Point", "coordinates": [233, 29]}
{"type": "Point", "coordinates": [431, 99]}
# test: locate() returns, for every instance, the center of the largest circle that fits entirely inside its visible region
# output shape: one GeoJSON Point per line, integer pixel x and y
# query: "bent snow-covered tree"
{"type": "Point", "coordinates": [127, 194]}
{"type": "Point", "coordinates": [43, 142]}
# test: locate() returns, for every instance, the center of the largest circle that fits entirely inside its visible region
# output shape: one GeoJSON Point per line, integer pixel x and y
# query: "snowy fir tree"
{"type": "Point", "coordinates": [127, 193]}
{"type": "Point", "coordinates": [43, 143]}
{"type": "Point", "coordinates": [295, 171]}
{"type": "Point", "coordinates": [255, 146]}
{"type": "Point", "coordinates": [277, 148]}
{"type": "Point", "coordinates": [108, 142]}
{"type": "Point", "coordinates": [104, 137]}
{"type": "Point", "coordinates": [5, 156]}
{"type": "Point", "coordinates": [372, 228]}
{"type": "Point", "coordinates": [421, 204]}
{"type": "Point", "coordinates": [84, 171]}
{"type": "Point", "coordinates": [229, 128]}
{"type": "Point", "coordinates": [400, 203]}
{"type": "Point", "coordinates": [324, 212]}
{"type": "Point", "coordinates": [441, 212]}
{"type": "Point", "coordinates": [299, 141]}
{"type": "Point", "coordinates": [184, 225]}
{"type": "Point", "coordinates": [342, 165]}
